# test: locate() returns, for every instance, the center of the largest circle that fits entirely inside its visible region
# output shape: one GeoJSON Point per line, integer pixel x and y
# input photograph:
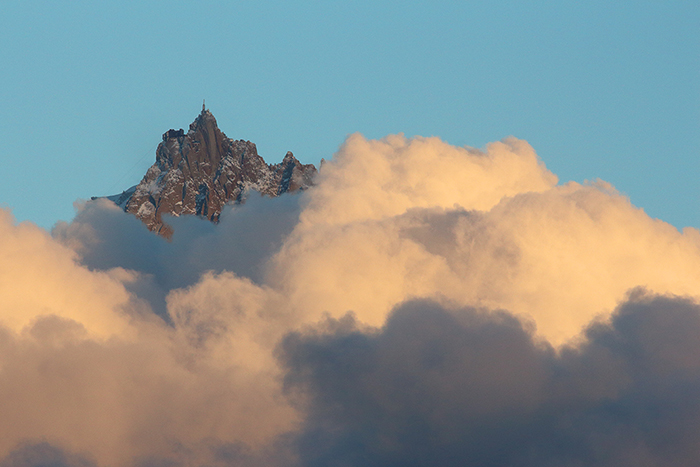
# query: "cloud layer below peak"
{"type": "Point", "coordinates": [423, 304]}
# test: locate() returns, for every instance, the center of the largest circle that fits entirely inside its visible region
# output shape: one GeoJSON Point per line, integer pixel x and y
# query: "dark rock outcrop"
{"type": "Point", "coordinates": [198, 172]}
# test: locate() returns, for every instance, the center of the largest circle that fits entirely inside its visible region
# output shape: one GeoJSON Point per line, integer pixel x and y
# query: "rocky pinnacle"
{"type": "Point", "coordinates": [198, 172]}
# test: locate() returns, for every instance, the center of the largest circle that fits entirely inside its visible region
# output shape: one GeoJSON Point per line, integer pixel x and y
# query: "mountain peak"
{"type": "Point", "coordinates": [204, 119]}
{"type": "Point", "coordinates": [198, 172]}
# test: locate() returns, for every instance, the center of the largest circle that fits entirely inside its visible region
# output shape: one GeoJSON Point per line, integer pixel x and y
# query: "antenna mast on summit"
{"type": "Point", "coordinates": [203, 108]}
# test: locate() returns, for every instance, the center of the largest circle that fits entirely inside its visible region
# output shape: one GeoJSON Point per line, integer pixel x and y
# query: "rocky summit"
{"type": "Point", "coordinates": [198, 172]}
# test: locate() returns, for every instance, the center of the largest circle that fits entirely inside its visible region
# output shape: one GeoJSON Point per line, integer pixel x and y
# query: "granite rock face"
{"type": "Point", "coordinates": [198, 172]}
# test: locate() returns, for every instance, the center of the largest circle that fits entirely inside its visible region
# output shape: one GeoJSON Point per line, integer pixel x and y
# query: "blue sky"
{"type": "Point", "coordinates": [600, 89]}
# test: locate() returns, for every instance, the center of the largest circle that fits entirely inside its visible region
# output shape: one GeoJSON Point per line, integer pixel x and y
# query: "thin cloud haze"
{"type": "Point", "coordinates": [423, 304]}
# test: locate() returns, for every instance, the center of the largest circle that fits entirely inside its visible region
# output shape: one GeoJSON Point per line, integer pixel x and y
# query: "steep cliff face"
{"type": "Point", "coordinates": [198, 172]}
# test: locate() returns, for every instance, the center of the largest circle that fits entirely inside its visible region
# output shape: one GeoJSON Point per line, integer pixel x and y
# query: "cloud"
{"type": "Point", "coordinates": [105, 238]}
{"type": "Point", "coordinates": [87, 367]}
{"type": "Point", "coordinates": [42, 454]}
{"type": "Point", "coordinates": [375, 179]}
{"type": "Point", "coordinates": [557, 254]}
{"type": "Point", "coordinates": [39, 277]}
{"type": "Point", "coordinates": [490, 307]}
{"type": "Point", "coordinates": [463, 386]}
{"type": "Point", "coordinates": [119, 400]}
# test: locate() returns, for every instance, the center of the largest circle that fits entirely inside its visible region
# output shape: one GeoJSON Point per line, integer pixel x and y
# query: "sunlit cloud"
{"type": "Point", "coordinates": [422, 302]}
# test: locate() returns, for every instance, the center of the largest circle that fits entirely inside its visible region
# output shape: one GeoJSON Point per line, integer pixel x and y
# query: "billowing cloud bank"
{"type": "Point", "coordinates": [422, 305]}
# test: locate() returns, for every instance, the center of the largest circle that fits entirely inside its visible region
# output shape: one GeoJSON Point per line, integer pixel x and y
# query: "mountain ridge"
{"type": "Point", "coordinates": [200, 171]}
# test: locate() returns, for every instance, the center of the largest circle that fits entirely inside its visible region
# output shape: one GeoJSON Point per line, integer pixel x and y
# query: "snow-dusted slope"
{"type": "Point", "coordinates": [198, 172]}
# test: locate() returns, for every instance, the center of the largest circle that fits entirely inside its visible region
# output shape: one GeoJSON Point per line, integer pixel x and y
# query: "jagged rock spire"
{"type": "Point", "coordinates": [198, 172]}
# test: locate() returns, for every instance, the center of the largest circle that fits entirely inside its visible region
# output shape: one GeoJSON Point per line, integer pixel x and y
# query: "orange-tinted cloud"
{"type": "Point", "coordinates": [223, 347]}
